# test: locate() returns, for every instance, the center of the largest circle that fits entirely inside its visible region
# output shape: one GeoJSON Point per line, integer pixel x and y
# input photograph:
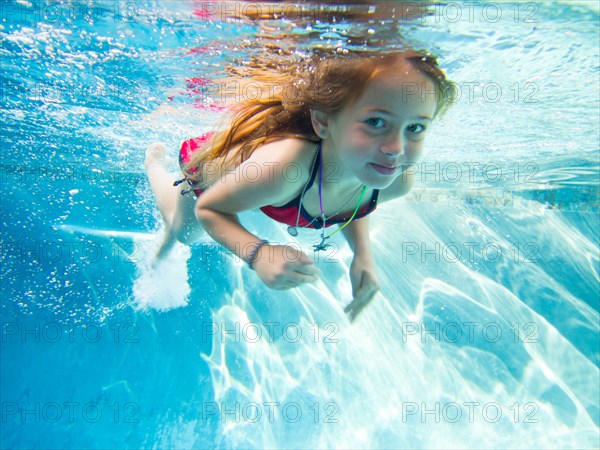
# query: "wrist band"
{"type": "Point", "coordinates": [254, 252]}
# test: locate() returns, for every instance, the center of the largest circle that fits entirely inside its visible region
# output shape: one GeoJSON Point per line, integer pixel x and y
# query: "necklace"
{"type": "Point", "coordinates": [293, 230]}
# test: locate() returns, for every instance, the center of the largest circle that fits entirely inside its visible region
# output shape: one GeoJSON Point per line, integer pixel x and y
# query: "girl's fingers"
{"type": "Point", "coordinates": [310, 279]}
{"type": "Point", "coordinates": [305, 268]}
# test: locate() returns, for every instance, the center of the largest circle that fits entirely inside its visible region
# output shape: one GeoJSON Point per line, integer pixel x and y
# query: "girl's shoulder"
{"type": "Point", "coordinates": [285, 153]}
{"type": "Point", "coordinates": [285, 166]}
{"type": "Point", "coordinates": [287, 146]}
{"type": "Point", "coordinates": [274, 159]}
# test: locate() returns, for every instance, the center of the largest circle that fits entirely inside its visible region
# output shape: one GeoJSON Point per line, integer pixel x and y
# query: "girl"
{"type": "Point", "coordinates": [338, 139]}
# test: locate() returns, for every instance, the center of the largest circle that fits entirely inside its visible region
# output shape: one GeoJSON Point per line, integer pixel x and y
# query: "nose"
{"type": "Point", "coordinates": [394, 145]}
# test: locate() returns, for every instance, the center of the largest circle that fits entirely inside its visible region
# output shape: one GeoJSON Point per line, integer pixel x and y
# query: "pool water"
{"type": "Point", "coordinates": [484, 333]}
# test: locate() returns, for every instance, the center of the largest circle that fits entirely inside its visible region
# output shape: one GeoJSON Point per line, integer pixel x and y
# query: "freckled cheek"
{"type": "Point", "coordinates": [354, 134]}
{"type": "Point", "coordinates": [415, 149]}
{"type": "Point", "coordinates": [365, 140]}
{"type": "Point", "coordinates": [357, 143]}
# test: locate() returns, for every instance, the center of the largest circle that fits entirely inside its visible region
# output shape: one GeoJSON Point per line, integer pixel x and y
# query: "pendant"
{"type": "Point", "coordinates": [321, 245]}
{"type": "Point", "coordinates": [293, 231]}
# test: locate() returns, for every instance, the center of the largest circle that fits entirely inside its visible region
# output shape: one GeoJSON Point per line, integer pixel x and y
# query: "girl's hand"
{"type": "Point", "coordinates": [284, 267]}
{"type": "Point", "coordinates": [365, 284]}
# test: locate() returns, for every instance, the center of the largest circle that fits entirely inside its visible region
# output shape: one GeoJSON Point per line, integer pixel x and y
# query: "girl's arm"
{"type": "Point", "coordinates": [258, 181]}
{"type": "Point", "coordinates": [363, 275]}
{"type": "Point", "coordinates": [357, 235]}
{"type": "Point", "coordinates": [227, 231]}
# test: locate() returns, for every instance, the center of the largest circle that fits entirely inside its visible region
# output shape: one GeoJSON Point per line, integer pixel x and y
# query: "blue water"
{"type": "Point", "coordinates": [484, 334]}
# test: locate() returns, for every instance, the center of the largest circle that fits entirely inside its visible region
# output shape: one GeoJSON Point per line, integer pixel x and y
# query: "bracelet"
{"type": "Point", "coordinates": [254, 252]}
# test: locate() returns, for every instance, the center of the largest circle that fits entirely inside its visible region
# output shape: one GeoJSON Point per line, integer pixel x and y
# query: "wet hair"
{"type": "Point", "coordinates": [326, 83]}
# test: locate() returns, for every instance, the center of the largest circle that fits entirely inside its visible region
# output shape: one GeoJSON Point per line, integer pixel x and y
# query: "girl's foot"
{"type": "Point", "coordinates": [168, 241]}
{"type": "Point", "coordinates": [155, 154]}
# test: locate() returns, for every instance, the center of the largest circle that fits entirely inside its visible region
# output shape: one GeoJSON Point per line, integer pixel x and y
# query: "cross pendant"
{"type": "Point", "coordinates": [321, 245]}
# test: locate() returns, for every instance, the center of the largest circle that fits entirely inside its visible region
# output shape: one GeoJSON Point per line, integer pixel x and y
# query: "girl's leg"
{"type": "Point", "coordinates": [161, 182]}
{"type": "Point", "coordinates": [165, 194]}
{"type": "Point", "coordinates": [176, 210]}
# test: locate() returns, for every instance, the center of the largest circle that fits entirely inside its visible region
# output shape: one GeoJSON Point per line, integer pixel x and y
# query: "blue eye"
{"type": "Point", "coordinates": [415, 126]}
{"type": "Point", "coordinates": [375, 122]}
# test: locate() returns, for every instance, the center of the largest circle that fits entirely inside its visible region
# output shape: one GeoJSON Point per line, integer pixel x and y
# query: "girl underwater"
{"type": "Point", "coordinates": [351, 125]}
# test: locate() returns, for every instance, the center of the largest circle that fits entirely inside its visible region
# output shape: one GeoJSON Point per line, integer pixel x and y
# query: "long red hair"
{"type": "Point", "coordinates": [325, 83]}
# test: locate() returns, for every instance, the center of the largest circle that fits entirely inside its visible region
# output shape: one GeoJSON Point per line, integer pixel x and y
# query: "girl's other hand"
{"type": "Point", "coordinates": [284, 267]}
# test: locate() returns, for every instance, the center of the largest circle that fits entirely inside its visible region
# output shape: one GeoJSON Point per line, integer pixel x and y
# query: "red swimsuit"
{"type": "Point", "coordinates": [289, 212]}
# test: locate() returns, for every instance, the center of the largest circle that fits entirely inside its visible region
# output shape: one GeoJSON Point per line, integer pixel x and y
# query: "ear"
{"type": "Point", "coordinates": [320, 123]}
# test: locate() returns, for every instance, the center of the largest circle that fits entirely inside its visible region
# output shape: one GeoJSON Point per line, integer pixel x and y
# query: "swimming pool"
{"type": "Point", "coordinates": [484, 334]}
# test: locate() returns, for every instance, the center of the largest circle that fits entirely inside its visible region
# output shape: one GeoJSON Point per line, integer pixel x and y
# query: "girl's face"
{"type": "Point", "coordinates": [379, 136]}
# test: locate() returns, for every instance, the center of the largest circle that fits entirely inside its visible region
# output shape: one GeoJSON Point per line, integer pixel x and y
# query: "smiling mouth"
{"type": "Point", "coordinates": [385, 170]}
{"type": "Point", "coordinates": [390, 170]}
{"type": "Point", "coordinates": [385, 166]}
